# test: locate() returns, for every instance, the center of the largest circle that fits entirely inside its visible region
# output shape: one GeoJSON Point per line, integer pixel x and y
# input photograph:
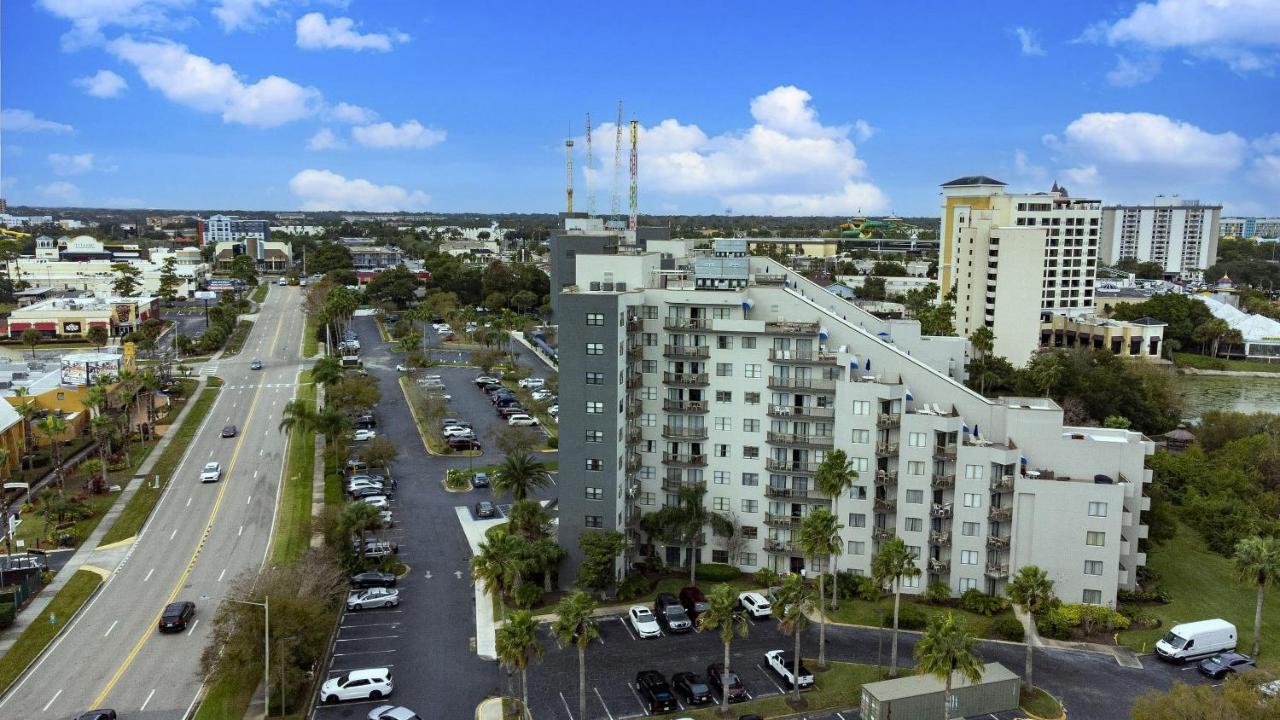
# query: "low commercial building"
{"type": "Point", "coordinates": [52, 269]}
{"type": "Point", "coordinates": [376, 256]}
{"type": "Point", "coordinates": [922, 697]}
{"type": "Point", "coordinates": [808, 247]}
{"type": "Point", "coordinates": [1138, 339]}
{"type": "Point", "coordinates": [54, 386]}
{"type": "Point", "coordinates": [73, 317]}
{"type": "Point", "coordinates": [269, 255]}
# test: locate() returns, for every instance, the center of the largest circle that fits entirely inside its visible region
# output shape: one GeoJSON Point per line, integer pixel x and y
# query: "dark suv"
{"type": "Point", "coordinates": [694, 602]}
{"type": "Point", "coordinates": [671, 614]}
{"type": "Point", "coordinates": [654, 691]}
{"type": "Point", "coordinates": [176, 615]}
{"type": "Point", "coordinates": [717, 679]}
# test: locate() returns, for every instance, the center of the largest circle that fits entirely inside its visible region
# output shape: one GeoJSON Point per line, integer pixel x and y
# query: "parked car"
{"type": "Point", "coordinates": [228, 431]}
{"type": "Point", "coordinates": [671, 613]}
{"type": "Point", "coordinates": [541, 395]}
{"type": "Point", "coordinates": [363, 481]}
{"type": "Point", "coordinates": [255, 364]}
{"type": "Point", "coordinates": [393, 712]}
{"type": "Point", "coordinates": [511, 410]}
{"type": "Point", "coordinates": [654, 692]}
{"type": "Point", "coordinates": [366, 420]}
{"type": "Point", "coordinates": [460, 443]}
{"type": "Point", "coordinates": [522, 420]}
{"type": "Point", "coordinates": [212, 472]}
{"type": "Point", "coordinates": [1230, 662]}
{"type": "Point", "coordinates": [694, 602]}
{"type": "Point", "coordinates": [379, 501]}
{"type": "Point", "coordinates": [356, 465]}
{"type": "Point", "coordinates": [364, 684]}
{"type": "Point", "coordinates": [756, 605]}
{"type": "Point", "coordinates": [644, 622]}
{"type": "Point", "coordinates": [491, 388]}
{"type": "Point", "coordinates": [176, 615]}
{"type": "Point", "coordinates": [782, 662]}
{"type": "Point", "coordinates": [402, 368]}
{"type": "Point", "coordinates": [718, 679]}
{"type": "Point", "coordinates": [531, 382]}
{"type": "Point", "coordinates": [454, 421]}
{"type": "Point", "coordinates": [451, 431]}
{"type": "Point", "coordinates": [691, 688]}
{"type": "Point", "coordinates": [485, 509]}
{"type": "Point", "coordinates": [378, 597]}
{"type": "Point", "coordinates": [482, 380]}
{"type": "Point", "coordinates": [1204, 638]}
{"type": "Point", "coordinates": [360, 493]}
{"type": "Point", "coordinates": [480, 480]}
{"type": "Point", "coordinates": [101, 714]}
{"type": "Point", "coordinates": [364, 435]}
{"type": "Point", "coordinates": [380, 549]}
{"type": "Point", "coordinates": [554, 411]}
{"type": "Point", "coordinates": [372, 579]}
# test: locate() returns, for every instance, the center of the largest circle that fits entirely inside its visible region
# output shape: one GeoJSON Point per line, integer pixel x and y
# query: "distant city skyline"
{"type": "Point", "coordinates": [835, 110]}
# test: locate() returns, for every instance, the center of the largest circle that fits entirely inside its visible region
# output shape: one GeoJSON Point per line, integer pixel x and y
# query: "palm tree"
{"type": "Point", "coordinates": [299, 414]}
{"type": "Point", "coordinates": [53, 426]}
{"type": "Point", "coordinates": [520, 475]}
{"type": "Point", "coordinates": [722, 614]}
{"type": "Point", "coordinates": [517, 644]}
{"type": "Point", "coordinates": [27, 409]}
{"type": "Point", "coordinates": [355, 520]}
{"type": "Point", "coordinates": [983, 341]}
{"type": "Point", "coordinates": [149, 383]}
{"type": "Point", "coordinates": [1257, 561]}
{"type": "Point", "coordinates": [327, 371]}
{"type": "Point", "coordinates": [497, 566]}
{"type": "Point", "coordinates": [820, 537]}
{"type": "Point", "coordinates": [575, 625]}
{"type": "Point", "coordinates": [834, 478]}
{"type": "Point", "coordinates": [793, 604]}
{"type": "Point", "coordinates": [891, 564]}
{"type": "Point", "coordinates": [947, 648]}
{"type": "Point", "coordinates": [4, 499]}
{"type": "Point", "coordinates": [682, 523]}
{"type": "Point", "coordinates": [529, 520]}
{"type": "Point", "coordinates": [102, 427]}
{"type": "Point", "coordinates": [1033, 590]}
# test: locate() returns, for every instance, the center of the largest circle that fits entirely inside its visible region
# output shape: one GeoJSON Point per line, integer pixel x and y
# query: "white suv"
{"type": "Point", "coordinates": [366, 684]}
{"type": "Point", "coordinates": [532, 382]}
{"type": "Point", "coordinates": [211, 472]}
{"type": "Point", "coordinates": [755, 604]}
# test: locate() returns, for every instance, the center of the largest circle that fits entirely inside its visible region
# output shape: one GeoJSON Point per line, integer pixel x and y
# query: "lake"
{"type": "Point", "coordinates": [1221, 392]}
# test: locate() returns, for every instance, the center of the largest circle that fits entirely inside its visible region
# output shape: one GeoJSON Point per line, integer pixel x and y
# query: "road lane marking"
{"type": "Point", "coordinates": [222, 574]}
{"type": "Point", "coordinates": [255, 474]}
{"type": "Point", "coordinates": [113, 627]}
{"type": "Point", "coordinates": [55, 697]}
{"type": "Point", "coordinates": [262, 452]}
{"type": "Point", "coordinates": [248, 500]}
{"type": "Point", "coordinates": [188, 502]}
{"type": "Point", "coordinates": [148, 577]}
{"type": "Point", "coordinates": [240, 531]}
{"type": "Point", "coordinates": [175, 530]}
{"type": "Point", "coordinates": [566, 706]}
{"type": "Point", "coordinates": [144, 702]}
{"type": "Point", "coordinates": [193, 627]}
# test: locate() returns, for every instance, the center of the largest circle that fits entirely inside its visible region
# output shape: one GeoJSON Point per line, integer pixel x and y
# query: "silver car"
{"type": "Point", "coordinates": [373, 598]}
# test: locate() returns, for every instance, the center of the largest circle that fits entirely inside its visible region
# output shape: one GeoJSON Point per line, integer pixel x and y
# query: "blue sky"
{"type": "Point", "coordinates": [797, 108]}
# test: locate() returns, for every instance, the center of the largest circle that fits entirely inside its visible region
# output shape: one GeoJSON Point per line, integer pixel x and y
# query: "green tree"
{"type": "Point", "coordinates": [1257, 562]}
{"type": "Point", "coordinates": [890, 565]}
{"type": "Point", "coordinates": [888, 269]}
{"type": "Point", "coordinates": [355, 520]}
{"type": "Point", "coordinates": [169, 282]}
{"type": "Point", "coordinates": [1237, 699]}
{"type": "Point", "coordinates": [1032, 589]}
{"type": "Point", "coordinates": [944, 649]}
{"type": "Point", "coordinates": [820, 538]}
{"type": "Point", "coordinates": [792, 604]}
{"type": "Point", "coordinates": [517, 645]}
{"type": "Point", "coordinates": [26, 408]}
{"type": "Point", "coordinates": [683, 523]}
{"type": "Point", "coordinates": [834, 478]}
{"type": "Point", "coordinates": [98, 336]}
{"type": "Point", "coordinates": [244, 270]}
{"type": "Point", "coordinates": [520, 475]}
{"type": "Point", "coordinates": [575, 624]}
{"type": "Point", "coordinates": [1046, 371]}
{"type": "Point", "coordinates": [873, 288]}
{"type": "Point", "coordinates": [327, 371]}
{"type": "Point", "coordinates": [128, 279]}
{"type": "Point", "coordinates": [31, 337]}
{"type": "Point", "coordinates": [53, 426]}
{"type": "Point", "coordinates": [600, 549]}
{"type": "Point", "coordinates": [723, 614]}
{"type": "Point", "coordinates": [395, 284]}
{"type": "Point", "coordinates": [497, 566]}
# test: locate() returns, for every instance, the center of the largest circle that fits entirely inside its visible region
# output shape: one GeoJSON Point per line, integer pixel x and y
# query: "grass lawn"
{"type": "Point", "coordinates": [238, 336]}
{"type": "Point", "coordinates": [840, 685]}
{"type": "Point", "coordinates": [1204, 362]}
{"type": "Point", "coordinates": [1041, 704]}
{"type": "Point", "coordinates": [293, 527]}
{"type": "Point", "coordinates": [260, 292]}
{"type": "Point", "coordinates": [862, 612]}
{"type": "Point", "coordinates": [40, 633]}
{"type": "Point", "coordinates": [1203, 587]}
{"type": "Point", "coordinates": [33, 526]}
{"type": "Point", "coordinates": [310, 346]}
{"type": "Point", "coordinates": [229, 697]}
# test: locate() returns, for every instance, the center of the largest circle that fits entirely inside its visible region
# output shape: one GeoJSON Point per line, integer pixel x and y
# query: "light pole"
{"type": "Point", "coordinates": [266, 650]}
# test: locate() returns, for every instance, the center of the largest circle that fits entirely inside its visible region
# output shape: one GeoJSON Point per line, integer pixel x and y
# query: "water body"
{"type": "Point", "coordinates": [1219, 392]}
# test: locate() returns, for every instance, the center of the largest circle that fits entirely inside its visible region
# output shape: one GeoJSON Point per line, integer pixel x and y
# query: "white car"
{"type": "Point", "coordinates": [542, 394]}
{"type": "Point", "coordinates": [402, 368]}
{"type": "Point", "coordinates": [379, 501]}
{"type": "Point", "coordinates": [645, 624]}
{"type": "Point", "coordinates": [520, 419]}
{"type": "Point", "coordinates": [486, 380]}
{"type": "Point", "coordinates": [393, 712]}
{"type": "Point", "coordinates": [355, 485]}
{"type": "Point", "coordinates": [554, 410]}
{"type": "Point", "coordinates": [364, 435]}
{"type": "Point", "coordinates": [386, 518]}
{"type": "Point", "coordinates": [212, 472]}
{"type": "Point", "coordinates": [458, 431]}
{"type": "Point", "coordinates": [756, 605]}
{"type": "Point", "coordinates": [379, 597]}
{"type": "Point", "coordinates": [365, 684]}
{"type": "Point", "coordinates": [532, 382]}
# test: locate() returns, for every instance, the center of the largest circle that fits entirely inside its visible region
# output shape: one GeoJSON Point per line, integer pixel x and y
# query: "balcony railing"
{"type": "Point", "coordinates": [885, 505]}
{"type": "Point", "coordinates": [805, 411]}
{"type": "Point", "coordinates": [882, 534]}
{"type": "Point", "coordinates": [634, 380]}
{"type": "Point", "coordinates": [941, 481]}
{"type": "Point", "coordinates": [888, 420]}
{"type": "Point", "coordinates": [696, 352]}
{"type": "Point", "coordinates": [633, 462]}
{"type": "Point", "coordinates": [633, 516]}
{"type": "Point", "coordinates": [670, 378]}
{"type": "Point", "coordinates": [777, 438]}
{"type": "Point", "coordinates": [778, 546]}
{"type": "Point", "coordinates": [940, 510]}
{"type": "Point", "coordinates": [998, 542]}
{"type": "Point", "coordinates": [635, 352]}
{"type": "Point", "coordinates": [783, 327]}
{"type": "Point", "coordinates": [768, 279]}
{"type": "Point", "coordinates": [944, 452]}
{"type": "Point", "coordinates": [886, 449]}
{"type": "Point", "coordinates": [685, 459]}
{"type": "Point", "coordinates": [684, 406]}
{"type": "Point", "coordinates": [634, 434]}
{"type": "Point", "coordinates": [998, 572]}
{"type": "Point", "coordinates": [684, 323]}
{"type": "Point", "coordinates": [781, 520]}
{"type": "Point", "coordinates": [942, 539]}
{"type": "Point", "coordinates": [771, 491]}
{"type": "Point", "coordinates": [684, 433]}
{"type": "Point", "coordinates": [790, 467]}
{"type": "Point", "coordinates": [1002, 484]}
{"type": "Point", "coordinates": [633, 409]}
{"type": "Point", "coordinates": [801, 356]}
{"type": "Point", "coordinates": [1000, 514]}
{"type": "Point", "coordinates": [939, 567]}
{"type": "Point", "coordinates": [674, 485]}
{"type": "Point", "coordinates": [789, 383]}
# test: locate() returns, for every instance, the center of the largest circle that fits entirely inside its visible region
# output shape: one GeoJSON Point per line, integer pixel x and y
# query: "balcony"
{"type": "Point", "coordinates": [671, 484]}
{"type": "Point", "coordinates": [942, 481]}
{"type": "Point", "coordinates": [940, 510]}
{"type": "Point", "coordinates": [1000, 514]}
{"type": "Point", "coordinates": [885, 478]}
{"type": "Point", "coordinates": [998, 542]}
{"type": "Point", "coordinates": [685, 379]}
{"type": "Point", "coordinates": [780, 547]}
{"type": "Point", "coordinates": [885, 505]}
{"type": "Point", "coordinates": [939, 567]}
{"type": "Point", "coordinates": [690, 352]}
{"type": "Point", "coordinates": [787, 383]}
{"type": "Point", "coordinates": [684, 459]}
{"type": "Point", "coordinates": [781, 520]}
{"type": "Point", "coordinates": [776, 438]}
{"type": "Point", "coordinates": [881, 534]}
{"type": "Point", "coordinates": [633, 409]}
{"type": "Point", "coordinates": [790, 467]}
{"type": "Point", "coordinates": [634, 434]}
{"type": "Point", "coordinates": [633, 517]}
{"type": "Point", "coordinates": [941, 539]}
{"type": "Point", "coordinates": [998, 572]}
{"type": "Point", "coordinates": [634, 380]}
{"type": "Point", "coordinates": [771, 491]}
{"type": "Point", "coordinates": [886, 449]}
{"type": "Point", "coordinates": [633, 462]}
{"type": "Point", "coordinates": [801, 411]}
{"type": "Point", "coordinates": [802, 356]}
{"type": "Point", "coordinates": [684, 323]}
{"type": "Point", "coordinates": [684, 433]}
{"type": "Point", "coordinates": [944, 453]}
{"type": "Point", "coordinates": [635, 352]}
{"type": "Point", "coordinates": [782, 327]}
{"type": "Point", "coordinates": [1002, 484]}
{"type": "Point", "coordinates": [684, 406]}
{"type": "Point", "coordinates": [888, 420]}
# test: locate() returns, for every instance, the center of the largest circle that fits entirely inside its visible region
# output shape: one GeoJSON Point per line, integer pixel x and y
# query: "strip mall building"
{"type": "Point", "coordinates": [73, 317]}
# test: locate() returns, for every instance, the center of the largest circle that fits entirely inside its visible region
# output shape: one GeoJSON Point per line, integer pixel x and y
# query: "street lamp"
{"type": "Point", "coordinates": [266, 649]}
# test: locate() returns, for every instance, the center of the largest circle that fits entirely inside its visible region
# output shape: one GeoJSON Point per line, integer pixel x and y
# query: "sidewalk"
{"type": "Point", "coordinates": [1124, 656]}
{"type": "Point", "coordinates": [486, 629]}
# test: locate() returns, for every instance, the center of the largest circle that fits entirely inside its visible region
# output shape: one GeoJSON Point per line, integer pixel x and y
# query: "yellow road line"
{"type": "Point", "coordinates": [149, 632]}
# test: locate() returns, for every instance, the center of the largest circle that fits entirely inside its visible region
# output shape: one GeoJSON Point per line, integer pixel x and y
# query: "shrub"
{"type": "Point", "coordinates": [1053, 625]}
{"type": "Point", "coordinates": [976, 601]}
{"type": "Point", "coordinates": [764, 577]}
{"type": "Point", "coordinates": [527, 596]}
{"type": "Point", "coordinates": [7, 613]}
{"type": "Point", "coordinates": [937, 593]}
{"type": "Point", "coordinates": [553, 442]}
{"type": "Point", "coordinates": [1152, 595]}
{"type": "Point", "coordinates": [633, 587]}
{"type": "Point", "coordinates": [1007, 627]}
{"type": "Point", "coordinates": [860, 587]}
{"type": "Point", "coordinates": [910, 617]}
{"type": "Point", "coordinates": [1058, 622]}
{"type": "Point", "coordinates": [715, 572]}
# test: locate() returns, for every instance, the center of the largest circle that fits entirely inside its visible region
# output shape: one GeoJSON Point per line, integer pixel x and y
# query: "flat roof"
{"type": "Point", "coordinates": [915, 685]}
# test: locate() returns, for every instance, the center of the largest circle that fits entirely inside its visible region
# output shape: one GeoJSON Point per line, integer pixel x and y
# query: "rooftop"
{"type": "Point", "coordinates": [973, 180]}
{"type": "Point", "coordinates": [914, 685]}
{"type": "Point", "coordinates": [90, 303]}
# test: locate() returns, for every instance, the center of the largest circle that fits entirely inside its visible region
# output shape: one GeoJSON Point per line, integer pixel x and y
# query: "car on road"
{"type": "Point", "coordinates": [461, 443]}
{"type": "Point", "coordinates": [372, 579]}
{"type": "Point", "coordinates": [671, 613]}
{"type": "Point", "coordinates": [211, 472]}
{"type": "Point", "coordinates": [378, 597]}
{"type": "Point", "coordinates": [691, 688]}
{"type": "Point", "coordinates": [522, 420]}
{"type": "Point", "coordinates": [379, 501]}
{"type": "Point", "coordinates": [717, 678]}
{"type": "Point", "coordinates": [480, 480]}
{"type": "Point", "coordinates": [364, 435]}
{"type": "Point", "coordinates": [654, 692]}
{"type": "Point", "coordinates": [176, 615]}
{"type": "Point", "coordinates": [783, 662]}
{"type": "Point", "coordinates": [393, 712]}
{"type": "Point", "coordinates": [645, 624]}
{"type": "Point", "coordinates": [1219, 666]}
{"type": "Point", "coordinates": [756, 605]}
{"type": "Point", "coordinates": [103, 714]}
{"type": "Point", "coordinates": [531, 382]}
{"type": "Point", "coordinates": [485, 509]}
{"type": "Point", "coordinates": [255, 364]}
{"type": "Point", "coordinates": [228, 431]}
{"type": "Point", "coordinates": [364, 684]}
{"type": "Point", "coordinates": [282, 282]}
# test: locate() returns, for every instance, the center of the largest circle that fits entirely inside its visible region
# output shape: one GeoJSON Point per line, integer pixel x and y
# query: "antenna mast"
{"type": "Point", "coordinates": [589, 171]}
{"type": "Point", "coordinates": [568, 171]}
{"type": "Point", "coordinates": [635, 138]}
{"type": "Point", "coordinates": [615, 214]}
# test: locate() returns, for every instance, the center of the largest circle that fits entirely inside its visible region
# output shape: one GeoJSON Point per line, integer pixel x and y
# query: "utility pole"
{"type": "Point", "coordinates": [266, 651]}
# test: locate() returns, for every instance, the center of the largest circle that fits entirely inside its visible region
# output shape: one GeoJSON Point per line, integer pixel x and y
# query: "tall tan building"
{"type": "Point", "coordinates": [1010, 257]}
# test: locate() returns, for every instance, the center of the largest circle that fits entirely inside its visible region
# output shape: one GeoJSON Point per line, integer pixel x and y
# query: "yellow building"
{"type": "Point", "coordinates": [10, 440]}
{"type": "Point", "coordinates": [808, 247]}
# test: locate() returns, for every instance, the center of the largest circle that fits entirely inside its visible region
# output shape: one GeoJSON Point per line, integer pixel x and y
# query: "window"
{"type": "Point", "coordinates": [649, 366]}
{"type": "Point", "coordinates": [972, 500]}
{"type": "Point", "coordinates": [648, 420]}
{"type": "Point", "coordinates": [968, 557]}
{"type": "Point", "coordinates": [752, 370]}
{"type": "Point", "coordinates": [751, 398]}
{"type": "Point", "coordinates": [595, 493]}
{"type": "Point", "coordinates": [648, 472]}
{"type": "Point", "coordinates": [748, 559]}
{"type": "Point", "coordinates": [968, 584]}
{"type": "Point", "coordinates": [914, 551]}
{"type": "Point", "coordinates": [750, 506]}
{"type": "Point", "coordinates": [857, 548]}
{"type": "Point", "coordinates": [858, 492]}
{"type": "Point", "coordinates": [595, 378]}
{"type": "Point", "coordinates": [595, 408]}
{"type": "Point", "coordinates": [723, 477]}
{"type": "Point", "coordinates": [750, 532]}
{"type": "Point", "coordinates": [916, 439]}
{"type": "Point", "coordinates": [595, 319]}
{"type": "Point", "coordinates": [649, 393]}
{"type": "Point", "coordinates": [724, 369]}
{"type": "Point", "coordinates": [1097, 509]}
{"type": "Point", "coordinates": [750, 452]}
{"type": "Point", "coordinates": [724, 423]}
{"type": "Point", "coordinates": [915, 496]}
{"type": "Point", "coordinates": [861, 436]}
{"type": "Point", "coordinates": [973, 472]}
{"type": "Point", "coordinates": [1092, 567]}
{"type": "Point", "coordinates": [1092, 597]}
{"type": "Point", "coordinates": [595, 464]}
{"type": "Point", "coordinates": [915, 467]}
{"type": "Point", "coordinates": [750, 425]}
{"type": "Point", "coordinates": [910, 582]}
{"type": "Point", "coordinates": [720, 556]}
{"type": "Point", "coordinates": [595, 348]}
{"type": "Point", "coordinates": [914, 525]}
{"type": "Point", "coordinates": [969, 529]}
{"type": "Point", "coordinates": [724, 396]}
{"type": "Point", "coordinates": [861, 407]}
{"type": "Point", "coordinates": [720, 503]}
{"type": "Point", "coordinates": [649, 339]}
{"type": "Point", "coordinates": [750, 479]}
{"type": "Point", "coordinates": [1095, 538]}
{"type": "Point", "coordinates": [859, 464]}
{"type": "Point", "coordinates": [721, 450]}
{"type": "Point", "coordinates": [648, 446]}
{"type": "Point", "coordinates": [644, 498]}
{"type": "Point", "coordinates": [857, 520]}
{"type": "Point", "coordinates": [592, 521]}
{"type": "Point", "coordinates": [748, 343]}
{"type": "Point", "coordinates": [595, 436]}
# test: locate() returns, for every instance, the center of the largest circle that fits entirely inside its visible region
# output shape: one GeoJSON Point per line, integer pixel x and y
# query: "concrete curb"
{"type": "Point", "coordinates": [56, 636]}
{"type": "Point", "coordinates": [1033, 716]}
{"type": "Point", "coordinates": [486, 709]}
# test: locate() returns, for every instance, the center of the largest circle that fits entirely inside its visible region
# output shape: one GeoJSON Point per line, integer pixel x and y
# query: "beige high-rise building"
{"type": "Point", "coordinates": [1011, 257]}
{"type": "Point", "coordinates": [1181, 235]}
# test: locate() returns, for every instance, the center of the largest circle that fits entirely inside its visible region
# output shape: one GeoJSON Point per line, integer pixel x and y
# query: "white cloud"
{"type": "Point", "coordinates": [317, 33]}
{"type": "Point", "coordinates": [71, 164]}
{"type": "Point", "coordinates": [1133, 71]}
{"type": "Point", "coordinates": [14, 120]}
{"type": "Point", "coordinates": [1025, 168]}
{"type": "Point", "coordinates": [1267, 169]}
{"type": "Point", "coordinates": [1150, 141]}
{"type": "Point", "coordinates": [324, 139]}
{"type": "Point", "coordinates": [59, 193]}
{"type": "Point", "coordinates": [89, 17]}
{"type": "Point", "coordinates": [240, 14]}
{"type": "Point", "coordinates": [1267, 144]}
{"type": "Point", "coordinates": [1242, 33]}
{"type": "Point", "coordinates": [352, 114]}
{"type": "Point", "coordinates": [201, 84]}
{"type": "Point", "coordinates": [1086, 176]}
{"type": "Point", "coordinates": [1028, 42]}
{"type": "Point", "coordinates": [862, 130]}
{"type": "Point", "coordinates": [102, 84]}
{"type": "Point", "coordinates": [410, 135]}
{"type": "Point", "coordinates": [326, 190]}
{"type": "Point", "coordinates": [788, 162]}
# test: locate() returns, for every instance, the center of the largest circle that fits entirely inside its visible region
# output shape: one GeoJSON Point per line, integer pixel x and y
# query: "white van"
{"type": "Point", "coordinates": [1189, 641]}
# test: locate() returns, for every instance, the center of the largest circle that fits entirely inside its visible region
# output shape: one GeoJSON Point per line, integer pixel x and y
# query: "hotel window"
{"type": "Point", "coordinates": [752, 370]}
{"type": "Point", "coordinates": [1092, 567]}
{"type": "Point", "coordinates": [916, 439]}
{"type": "Point", "coordinates": [750, 425]}
{"type": "Point", "coordinates": [972, 500]}
{"type": "Point", "coordinates": [969, 529]}
{"type": "Point", "coordinates": [724, 423]}
{"type": "Point", "coordinates": [861, 436]}
{"type": "Point", "coordinates": [858, 492]}
{"type": "Point", "coordinates": [1097, 509]}
{"type": "Point", "coordinates": [722, 477]}
{"type": "Point", "coordinates": [750, 506]}
{"type": "Point", "coordinates": [595, 348]}
{"type": "Point", "coordinates": [649, 312]}
{"type": "Point", "coordinates": [720, 556]}
{"type": "Point", "coordinates": [748, 559]}
{"type": "Point", "coordinates": [720, 503]}
{"type": "Point", "coordinates": [721, 450]}
{"type": "Point", "coordinates": [915, 496]}
{"type": "Point", "coordinates": [861, 407]}
{"type": "Point", "coordinates": [648, 420]}
{"type": "Point", "coordinates": [595, 408]}
{"type": "Point", "coordinates": [1092, 597]}
{"type": "Point", "coordinates": [595, 378]}
{"type": "Point", "coordinates": [645, 498]}
{"type": "Point", "coordinates": [724, 369]}
{"type": "Point", "coordinates": [910, 582]}
{"type": "Point", "coordinates": [649, 366]}
{"type": "Point", "coordinates": [968, 584]}
{"type": "Point", "coordinates": [857, 520]}
{"type": "Point", "coordinates": [748, 343]}
{"type": "Point", "coordinates": [914, 525]}
{"type": "Point", "coordinates": [973, 472]}
{"type": "Point", "coordinates": [750, 532]}
{"type": "Point", "coordinates": [750, 452]}
{"type": "Point", "coordinates": [857, 548]}
{"type": "Point", "coordinates": [724, 396]}
{"type": "Point", "coordinates": [592, 521]}
{"type": "Point", "coordinates": [595, 436]}
{"type": "Point", "coordinates": [968, 557]}
{"type": "Point", "coordinates": [860, 464]}
{"type": "Point", "coordinates": [1095, 538]}
{"type": "Point", "coordinates": [595, 464]}
{"type": "Point", "coordinates": [915, 467]}
{"type": "Point", "coordinates": [595, 493]}
{"type": "Point", "coordinates": [650, 339]}
{"type": "Point", "coordinates": [595, 319]}
{"type": "Point", "coordinates": [751, 398]}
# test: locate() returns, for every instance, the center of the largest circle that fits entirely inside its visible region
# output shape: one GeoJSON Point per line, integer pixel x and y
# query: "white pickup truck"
{"type": "Point", "coordinates": [783, 663]}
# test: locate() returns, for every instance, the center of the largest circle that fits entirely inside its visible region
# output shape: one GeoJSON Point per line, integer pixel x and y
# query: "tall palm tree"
{"type": "Point", "coordinates": [517, 645]}
{"type": "Point", "coordinates": [53, 427]}
{"type": "Point", "coordinates": [576, 625]}
{"type": "Point", "coordinates": [529, 520]}
{"type": "Point", "coordinates": [327, 371]}
{"type": "Point", "coordinates": [820, 537]}
{"type": "Point", "coordinates": [792, 607]}
{"type": "Point", "coordinates": [722, 614]}
{"type": "Point", "coordinates": [519, 475]}
{"type": "Point", "coordinates": [683, 523]}
{"type": "Point", "coordinates": [1257, 561]}
{"type": "Point", "coordinates": [149, 383]}
{"type": "Point", "coordinates": [299, 414]}
{"type": "Point", "coordinates": [4, 499]}
{"type": "Point", "coordinates": [947, 648]}
{"type": "Point", "coordinates": [890, 565]}
{"type": "Point", "coordinates": [498, 567]}
{"type": "Point", "coordinates": [1033, 590]}
{"type": "Point", "coordinates": [834, 478]}
{"type": "Point", "coordinates": [27, 408]}
{"type": "Point", "coordinates": [102, 427]}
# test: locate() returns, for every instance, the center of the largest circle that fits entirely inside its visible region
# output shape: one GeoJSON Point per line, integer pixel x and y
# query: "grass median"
{"type": "Point", "coordinates": [1204, 362]}
{"type": "Point", "coordinates": [144, 500]}
{"type": "Point", "coordinates": [236, 342]}
{"type": "Point", "coordinates": [260, 292]}
{"type": "Point", "coordinates": [293, 523]}
{"type": "Point", "coordinates": [41, 632]}
{"type": "Point", "coordinates": [840, 685]}
{"type": "Point", "coordinates": [310, 346]}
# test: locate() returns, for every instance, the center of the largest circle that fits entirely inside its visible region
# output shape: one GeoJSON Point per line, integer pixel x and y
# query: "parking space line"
{"type": "Point", "coordinates": [624, 625]}
{"type": "Point", "coordinates": [376, 637]}
{"type": "Point", "coordinates": [193, 627]}
{"type": "Point", "coordinates": [606, 707]}
{"type": "Point", "coordinates": [566, 705]}
{"type": "Point", "coordinates": [143, 707]}
{"type": "Point", "coordinates": [768, 675]}
{"type": "Point", "coordinates": [364, 652]}
{"type": "Point", "coordinates": [339, 672]}
{"type": "Point", "coordinates": [636, 694]}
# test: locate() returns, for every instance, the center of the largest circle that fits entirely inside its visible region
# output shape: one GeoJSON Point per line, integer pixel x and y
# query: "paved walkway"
{"type": "Point", "coordinates": [486, 628]}
{"type": "Point", "coordinates": [1125, 656]}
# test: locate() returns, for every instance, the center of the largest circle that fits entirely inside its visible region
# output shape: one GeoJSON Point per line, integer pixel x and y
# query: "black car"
{"type": "Point", "coordinates": [671, 614]}
{"type": "Point", "coordinates": [717, 679]}
{"type": "Point", "coordinates": [228, 431]}
{"type": "Point", "coordinates": [372, 579]}
{"type": "Point", "coordinates": [691, 687]}
{"type": "Point", "coordinates": [480, 480]}
{"type": "Point", "coordinates": [176, 615]}
{"type": "Point", "coordinates": [102, 714]}
{"type": "Point", "coordinates": [485, 509]}
{"type": "Point", "coordinates": [654, 691]}
{"type": "Point", "coordinates": [1220, 665]}
{"type": "Point", "coordinates": [363, 492]}
{"type": "Point", "coordinates": [461, 443]}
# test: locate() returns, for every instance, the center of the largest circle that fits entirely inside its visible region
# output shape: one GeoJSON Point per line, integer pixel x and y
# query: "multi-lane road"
{"type": "Point", "coordinates": [199, 538]}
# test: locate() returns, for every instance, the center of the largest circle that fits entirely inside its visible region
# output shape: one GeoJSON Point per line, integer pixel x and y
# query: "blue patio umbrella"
{"type": "Point", "coordinates": [965, 428]}
{"type": "Point", "coordinates": [747, 304]}
{"type": "Point", "coordinates": [823, 334]}
{"type": "Point", "coordinates": [975, 429]}
{"type": "Point", "coordinates": [910, 397]}
{"type": "Point", "coordinates": [868, 365]}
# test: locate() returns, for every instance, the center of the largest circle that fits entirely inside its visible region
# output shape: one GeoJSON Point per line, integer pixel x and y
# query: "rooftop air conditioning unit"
{"type": "Point", "coordinates": [594, 286]}
{"type": "Point", "coordinates": [620, 286]}
{"type": "Point", "coordinates": [607, 287]}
